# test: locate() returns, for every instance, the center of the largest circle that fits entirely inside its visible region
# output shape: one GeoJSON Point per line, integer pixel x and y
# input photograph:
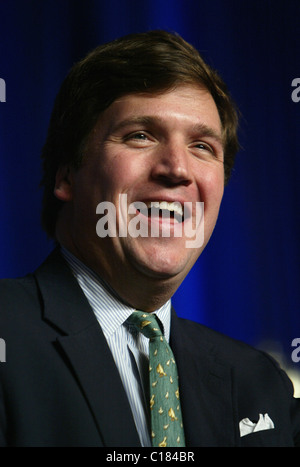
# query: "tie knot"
{"type": "Point", "coordinates": [146, 323]}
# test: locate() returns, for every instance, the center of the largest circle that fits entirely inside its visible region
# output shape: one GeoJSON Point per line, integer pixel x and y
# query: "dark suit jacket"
{"type": "Point", "coordinates": [59, 385]}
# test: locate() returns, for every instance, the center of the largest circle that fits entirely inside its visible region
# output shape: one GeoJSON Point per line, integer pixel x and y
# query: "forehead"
{"type": "Point", "coordinates": [185, 105]}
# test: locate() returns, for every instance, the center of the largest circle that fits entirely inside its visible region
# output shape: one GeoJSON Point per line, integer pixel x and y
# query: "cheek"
{"type": "Point", "coordinates": [211, 184]}
{"type": "Point", "coordinates": [122, 174]}
{"type": "Point", "coordinates": [211, 191]}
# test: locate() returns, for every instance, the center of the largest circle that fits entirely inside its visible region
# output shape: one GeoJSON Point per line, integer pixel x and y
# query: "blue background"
{"type": "Point", "coordinates": [247, 282]}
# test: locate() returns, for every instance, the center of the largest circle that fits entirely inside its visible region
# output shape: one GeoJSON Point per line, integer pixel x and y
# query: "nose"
{"type": "Point", "coordinates": [172, 166]}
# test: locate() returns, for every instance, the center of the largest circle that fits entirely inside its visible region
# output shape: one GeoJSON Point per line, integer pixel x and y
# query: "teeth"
{"type": "Point", "coordinates": [172, 207]}
{"type": "Point", "coordinates": [175, 208]}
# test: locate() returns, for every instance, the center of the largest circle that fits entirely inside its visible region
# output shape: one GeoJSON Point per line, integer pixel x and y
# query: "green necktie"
{"type": "Point", "coordinates": [166, 419]}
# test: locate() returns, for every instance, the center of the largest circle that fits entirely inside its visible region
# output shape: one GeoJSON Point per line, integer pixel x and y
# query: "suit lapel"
{"type": "Point", "coordinates": [87, 352]}
{"type": "Point", "coordinates": [98, 377]}
{"type": "Point", "coordinates": [206, 388]}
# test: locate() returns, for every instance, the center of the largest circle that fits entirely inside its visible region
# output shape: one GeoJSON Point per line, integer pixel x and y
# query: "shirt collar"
{"type": "Point", "coordinates": [110, 311]}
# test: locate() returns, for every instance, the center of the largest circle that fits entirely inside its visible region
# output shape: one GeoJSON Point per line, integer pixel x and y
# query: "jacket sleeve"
{"type": "Point", "coordinates": [2, 419]}
{"type": "Point", "coordinates": [294, 402]}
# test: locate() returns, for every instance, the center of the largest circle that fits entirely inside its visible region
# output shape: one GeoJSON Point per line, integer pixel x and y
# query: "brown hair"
{"type": "Point", "coordinates": [149, 62]}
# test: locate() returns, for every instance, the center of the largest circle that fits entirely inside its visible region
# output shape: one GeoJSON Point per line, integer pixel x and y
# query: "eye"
{"type": "Point", "coordinates": [205, 147]}
{"type": "Point", "coordinates": [138, 139]}
{"type": "Point", "coordinates": [137, 136]}
{"type": "Point", "coordinates": [204, 150]}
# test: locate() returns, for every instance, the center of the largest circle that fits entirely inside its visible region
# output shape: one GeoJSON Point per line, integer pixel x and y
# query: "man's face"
{"type": "Point", "coordinates": [151, 148]}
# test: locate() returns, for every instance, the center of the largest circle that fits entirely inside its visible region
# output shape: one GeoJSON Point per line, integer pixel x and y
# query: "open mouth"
{"type": "Point", "coordinates": [162, 210]}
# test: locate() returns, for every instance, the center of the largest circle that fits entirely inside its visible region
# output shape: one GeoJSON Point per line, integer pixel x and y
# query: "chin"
{"type": "Point", "coordinates": [161, 265]}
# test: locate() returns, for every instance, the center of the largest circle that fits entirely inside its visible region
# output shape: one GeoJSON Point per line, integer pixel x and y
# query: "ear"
{"type": "Point", "coordinates": [63, 189]}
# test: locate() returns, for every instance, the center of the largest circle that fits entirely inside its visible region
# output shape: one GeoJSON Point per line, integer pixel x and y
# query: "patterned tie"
{"type": "Point", "coordinates": [166, 420]}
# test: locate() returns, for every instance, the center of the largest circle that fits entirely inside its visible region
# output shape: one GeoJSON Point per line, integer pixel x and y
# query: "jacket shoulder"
{"type": "Point", "coordinates": [24, 293]}
{"type": "Point", "coordinates": [246, 359]}
{"type": "Point", "coordinates": [222, 342]}
{"type": "Point", "coordinates": [17, 294]}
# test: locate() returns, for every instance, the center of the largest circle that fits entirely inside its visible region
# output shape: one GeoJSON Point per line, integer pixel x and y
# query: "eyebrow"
{"type": "Point", "coordinates": [143, 120]}
{"type": "Point", "coordinates": [205, 130]}
{"type": "Point", "coordinates": [199, 128]}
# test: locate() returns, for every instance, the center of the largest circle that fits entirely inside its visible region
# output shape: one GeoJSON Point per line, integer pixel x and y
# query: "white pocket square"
{"type": "Point", "coordinates": [264, 423]}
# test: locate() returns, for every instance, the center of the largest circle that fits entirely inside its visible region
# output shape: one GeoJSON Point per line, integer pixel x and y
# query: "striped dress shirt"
{"type": "Point", "coordinates": [128, 347]}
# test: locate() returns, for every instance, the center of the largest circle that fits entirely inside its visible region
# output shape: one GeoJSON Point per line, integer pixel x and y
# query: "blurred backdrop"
{"type": "Point", "coordinates": [247, 282]}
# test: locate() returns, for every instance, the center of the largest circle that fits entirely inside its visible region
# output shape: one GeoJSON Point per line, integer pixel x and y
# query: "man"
{"type": "Point", "coordinates": [142, 125]}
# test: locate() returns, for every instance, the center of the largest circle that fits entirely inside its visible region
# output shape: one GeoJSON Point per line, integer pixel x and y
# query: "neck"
{"type": "Point", "coordinates": [133, 288]}
{"type": "Point", "coordinates": [137, 288]}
